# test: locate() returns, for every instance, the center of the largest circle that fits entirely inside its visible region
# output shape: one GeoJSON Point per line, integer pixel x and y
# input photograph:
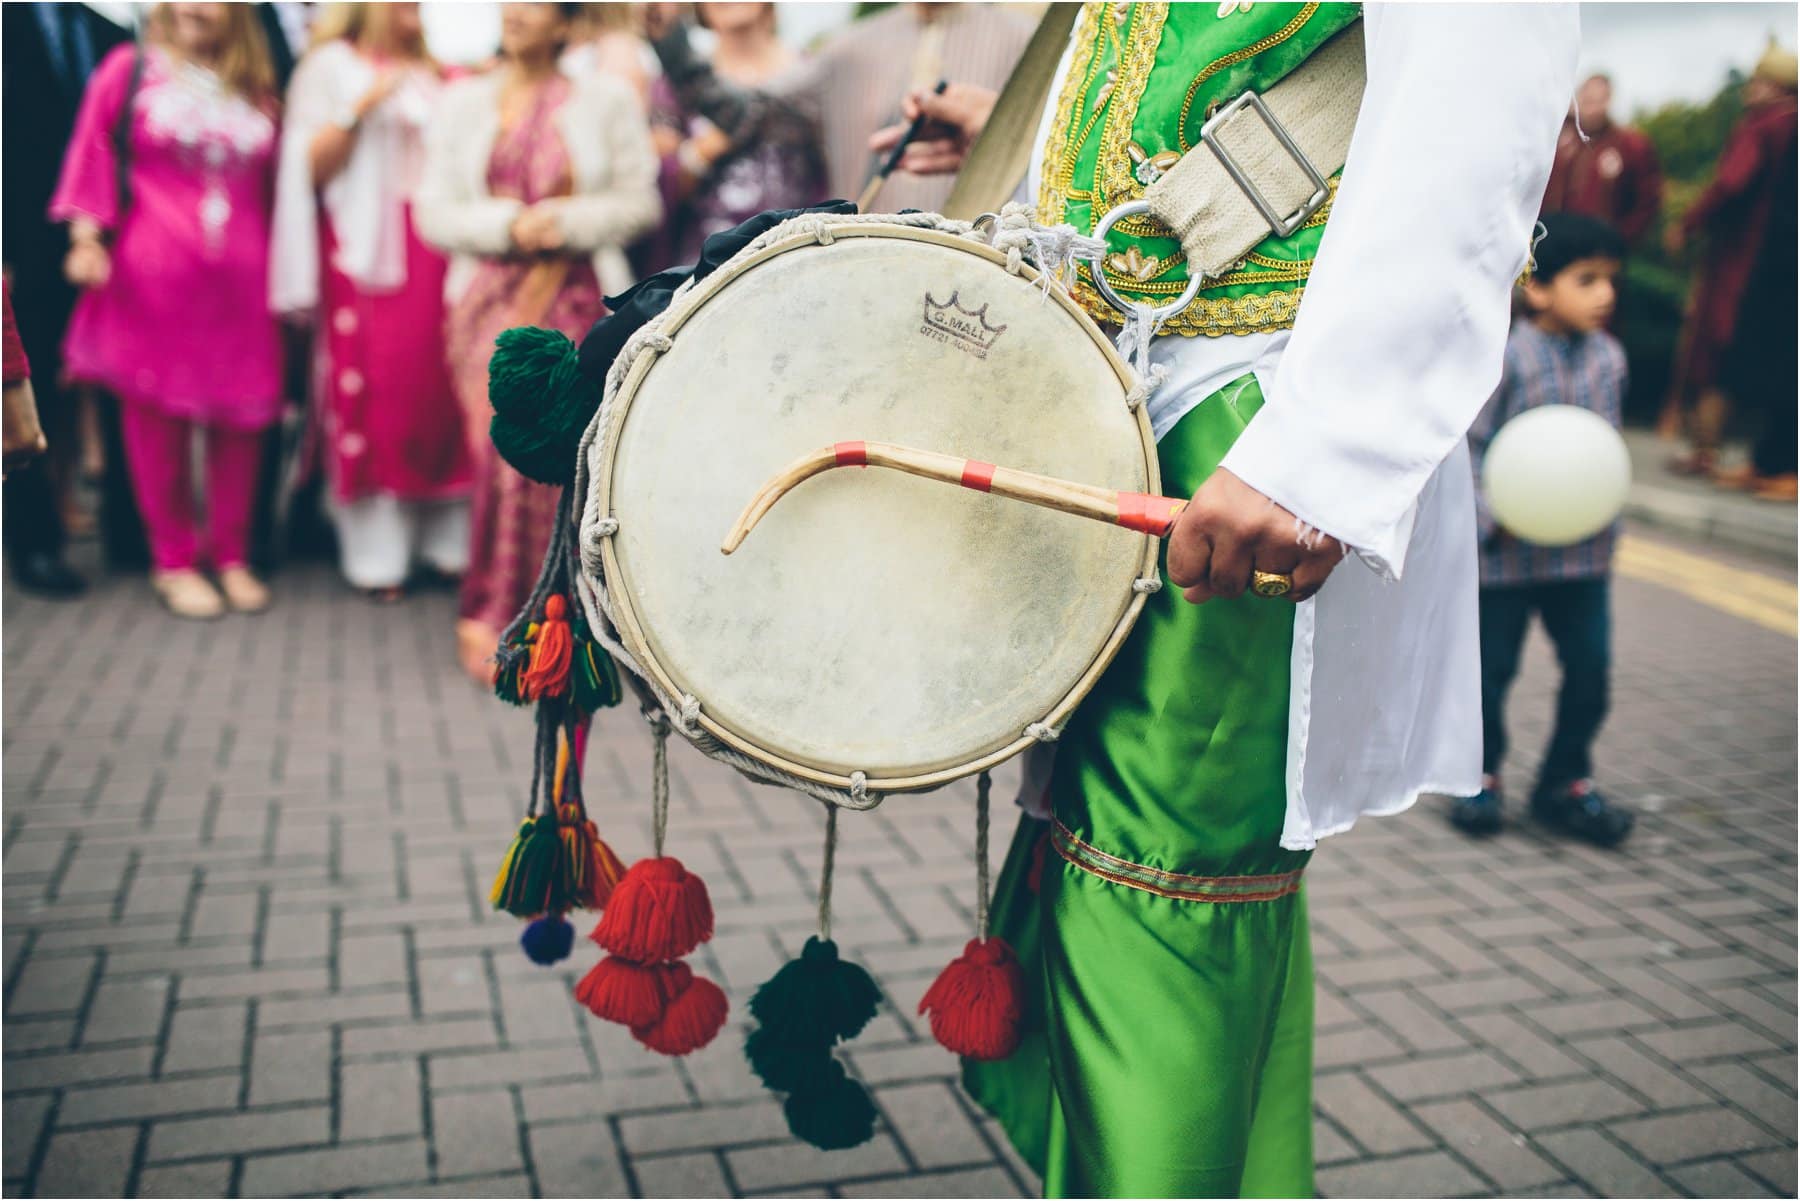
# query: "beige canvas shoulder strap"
{"type": "Point", "coordinates": [999, 158]}
{"type": "Point", "coordinates": [1261, 164]}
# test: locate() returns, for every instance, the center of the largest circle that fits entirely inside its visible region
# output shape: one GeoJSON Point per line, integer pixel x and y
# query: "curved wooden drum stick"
{"type": "Point", "coordinates": [1138, 511]}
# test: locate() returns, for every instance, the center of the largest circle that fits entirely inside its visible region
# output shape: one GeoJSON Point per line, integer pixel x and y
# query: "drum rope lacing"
{"type": "Point", "coordinates": [1051, 251]}
{"type": "Point", "coordinates": [659, 776]}
{"type": "Point", "coordinates": [984, 784]}
{"type": "Point", "coordinates": [826, 869]}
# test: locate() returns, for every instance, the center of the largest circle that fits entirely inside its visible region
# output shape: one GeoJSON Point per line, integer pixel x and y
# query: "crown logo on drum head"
{"type": "Point", "coordinates": [968, 330]}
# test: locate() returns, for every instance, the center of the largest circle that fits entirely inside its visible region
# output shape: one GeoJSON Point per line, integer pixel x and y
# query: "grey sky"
{"type": "Point", "coordinates": [1656, 53]}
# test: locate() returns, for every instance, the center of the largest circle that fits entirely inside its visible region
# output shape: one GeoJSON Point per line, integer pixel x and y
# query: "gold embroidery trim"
{"type": "Point", "coordinates": [1053, 187]}
{"type": "Point", "coordinates": [1136, 56]}
{"type": "Point", "coordinates": [1235, 57]}
{"type": "Point", "coordinates": [1277, 271]}
{"type": "Point", "coordinates": [1113, 181]}
{"type": "Point", "coordinates": [1212, 316]}
{"type": "Point", "coordinates": [1174, 885]}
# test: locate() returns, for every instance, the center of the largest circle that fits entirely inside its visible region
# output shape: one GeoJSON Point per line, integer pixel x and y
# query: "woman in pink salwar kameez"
{"type": "Point", "coordinates": [172, 249]}
{"type": "Point", "coordinates": [531, 179]}
{"type": "Point", "coordinates": [389, 429]}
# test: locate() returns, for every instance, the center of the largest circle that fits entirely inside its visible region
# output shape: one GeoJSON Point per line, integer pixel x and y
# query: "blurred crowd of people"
{"type": "Point", "coordinates": [252, 246]}
{"type": "Point", "coordinates": [1737, 338]}
{"type": "Point", "coordinates": [247, 212]}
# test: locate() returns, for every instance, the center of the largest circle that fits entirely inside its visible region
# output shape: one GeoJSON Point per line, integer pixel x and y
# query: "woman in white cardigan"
{"type": "Point", "coordinates": [533, 182]}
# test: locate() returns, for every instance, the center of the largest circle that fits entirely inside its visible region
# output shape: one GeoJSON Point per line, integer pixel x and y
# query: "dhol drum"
{"type": "Point", "coordinates": [879, 633]}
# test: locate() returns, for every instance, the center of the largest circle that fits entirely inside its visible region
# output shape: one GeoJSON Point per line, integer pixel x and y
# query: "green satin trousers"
{"type": "Point", "coordinates": [1168, 1041]}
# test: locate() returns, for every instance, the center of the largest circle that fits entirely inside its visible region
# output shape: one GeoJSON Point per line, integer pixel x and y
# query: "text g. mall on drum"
{"type": "Point", "coordinates": [968, 330]}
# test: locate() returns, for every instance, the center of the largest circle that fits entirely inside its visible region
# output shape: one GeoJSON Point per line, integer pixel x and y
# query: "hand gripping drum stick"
{"type": "Point", "coordinates": [1137, 511]}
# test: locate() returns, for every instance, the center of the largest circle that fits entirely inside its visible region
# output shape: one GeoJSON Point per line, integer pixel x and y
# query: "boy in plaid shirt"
{"type": "Point", "coordinates": [1559, 352]}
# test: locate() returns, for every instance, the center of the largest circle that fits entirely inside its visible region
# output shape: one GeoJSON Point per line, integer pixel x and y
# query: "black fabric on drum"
{"type": "Point", "coordinates": [635, 307]}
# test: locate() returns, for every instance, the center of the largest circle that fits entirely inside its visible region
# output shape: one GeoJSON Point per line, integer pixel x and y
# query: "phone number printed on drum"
{"type": "Point", "coordinates": [968, 330]}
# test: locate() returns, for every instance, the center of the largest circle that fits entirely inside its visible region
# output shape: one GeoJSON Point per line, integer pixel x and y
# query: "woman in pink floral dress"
{"type": "Point", "coordinates": [170, 241]}
{"type": "Point", "coordinates": [533, 181]}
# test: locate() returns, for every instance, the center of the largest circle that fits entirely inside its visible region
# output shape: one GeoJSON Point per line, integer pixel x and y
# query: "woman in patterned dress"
{"type": "Point", "coordinates": [533, 181]}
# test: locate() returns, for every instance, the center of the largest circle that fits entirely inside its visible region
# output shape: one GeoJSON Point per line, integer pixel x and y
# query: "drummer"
{"type": "Point", "coordinates": [1315, 405]}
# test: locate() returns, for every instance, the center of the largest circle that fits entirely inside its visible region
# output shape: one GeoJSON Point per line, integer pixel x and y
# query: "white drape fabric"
{"type": "Point", "coordinates": [1397, 345]}
{"type": "Point", "coordinates": [366, 201]}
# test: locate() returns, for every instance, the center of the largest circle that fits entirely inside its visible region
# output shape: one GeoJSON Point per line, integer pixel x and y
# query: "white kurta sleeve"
{"type": "Point", "coordinates": [1400, 335]}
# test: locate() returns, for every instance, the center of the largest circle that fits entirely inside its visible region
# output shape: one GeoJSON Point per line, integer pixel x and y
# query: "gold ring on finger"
{"type": "Point", "coordinates": [1271, 583]}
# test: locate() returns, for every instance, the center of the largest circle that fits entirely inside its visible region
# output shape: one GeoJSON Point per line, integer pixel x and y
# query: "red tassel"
{"type": "Point", "coordinates": [547, 674]}
{"type": "Point", "coordinates": [658, 912]}
{"type": "Point", "coordinates": [694, 1015]}
{"type": "Point", "coordinates": [618, 990]}
{"type": "Point", "coordinates": [976, 1003]}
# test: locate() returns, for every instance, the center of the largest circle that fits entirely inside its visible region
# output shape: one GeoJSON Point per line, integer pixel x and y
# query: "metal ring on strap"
{"type": "Point", "coordinates": [1160, 313]}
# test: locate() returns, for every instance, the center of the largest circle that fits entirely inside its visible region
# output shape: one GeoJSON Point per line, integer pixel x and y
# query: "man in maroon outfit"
{"type": "Point", "coordinates": [1740, 325]}
{"type": "Point", "coordinates": [1614, 176]}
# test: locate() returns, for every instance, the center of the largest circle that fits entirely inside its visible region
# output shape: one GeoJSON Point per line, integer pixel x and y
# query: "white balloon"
{"type": "Point", "coordinates": [1556, 475]}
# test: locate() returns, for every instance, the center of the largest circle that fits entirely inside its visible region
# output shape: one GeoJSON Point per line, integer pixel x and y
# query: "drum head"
{"type": "Point", "coordinates": [873, 621]}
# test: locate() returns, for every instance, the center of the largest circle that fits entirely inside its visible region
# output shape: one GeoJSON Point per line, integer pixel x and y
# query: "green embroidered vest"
{"type": "Point", "coordinates": [1142, 81]}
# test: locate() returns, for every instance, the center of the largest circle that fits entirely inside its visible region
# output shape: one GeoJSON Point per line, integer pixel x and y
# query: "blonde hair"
{"type": "Point", "coordinates": [350, 22]}
{"type": "Point", "coordinates": [244, 64]}
{"type": "Point", "coordinates": [597, 19]}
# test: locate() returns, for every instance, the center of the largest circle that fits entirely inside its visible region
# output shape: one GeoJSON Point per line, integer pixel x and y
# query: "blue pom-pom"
{"type": "Point", "coordinates": [548, 939]}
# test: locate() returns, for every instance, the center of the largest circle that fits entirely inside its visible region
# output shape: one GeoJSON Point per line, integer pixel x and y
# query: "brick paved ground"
{"type": "Point", "coordinates": [247, 950]}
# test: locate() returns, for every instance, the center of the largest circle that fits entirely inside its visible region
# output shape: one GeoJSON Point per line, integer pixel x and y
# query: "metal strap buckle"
{"type": "Point", "coordinates": [1282, 225]}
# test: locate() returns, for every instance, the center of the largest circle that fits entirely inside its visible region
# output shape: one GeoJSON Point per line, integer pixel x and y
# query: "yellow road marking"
{"type": "Point", "coordinates": [1768, 601]}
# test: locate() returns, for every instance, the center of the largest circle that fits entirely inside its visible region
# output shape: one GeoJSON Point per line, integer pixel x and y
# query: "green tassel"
{"type": "Point", "coordinates": [833, 1117]}
{"type": "Point", "coordinates": [542, 402]}
{"type": "Point", "coordinates": [816, 999]}
{"type": "Point", "coordinates": [536, 876]}
{"type": "Point", "coordinates": [596, 679]}
{"type": "Point", "coordinates": [791, 1067]}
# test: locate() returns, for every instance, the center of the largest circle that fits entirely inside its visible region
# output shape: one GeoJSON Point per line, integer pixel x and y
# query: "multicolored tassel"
{"type": "Point", "coordinates": [595, 869]}
{"type": "Point", "coordinates": [547, 673]}
{"type": "Point", "coordinates": [535, 877]}
{"type": "Point", "coordinates": [593, 676]}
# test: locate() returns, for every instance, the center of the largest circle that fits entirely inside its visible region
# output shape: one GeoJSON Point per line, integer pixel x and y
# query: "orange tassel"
{"type": "Point", "coordinates": [658, 912]}
{"type": "Point", "coordinates": [693, 1017]}
{"type": "Point", "coordinates": [617, 990]}
{"type": "Point", "coordinates": [976, 1003]}
{"type": "Point", "coordinates": [547, 674]}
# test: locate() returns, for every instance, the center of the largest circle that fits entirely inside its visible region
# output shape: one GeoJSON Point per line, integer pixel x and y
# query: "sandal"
{"type": "Point", "coordinates": [187, 594]}
{"type": "Point", "coordinates": [243, 591]}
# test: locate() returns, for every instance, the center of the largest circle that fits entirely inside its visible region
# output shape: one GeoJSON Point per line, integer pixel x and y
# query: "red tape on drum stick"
{"type": "Point", "coordinates": [1148, 514]}
{"type": "Point", "coordinates": [851, 454]}
{"type": "Point", "coordinates": [978, 475]}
